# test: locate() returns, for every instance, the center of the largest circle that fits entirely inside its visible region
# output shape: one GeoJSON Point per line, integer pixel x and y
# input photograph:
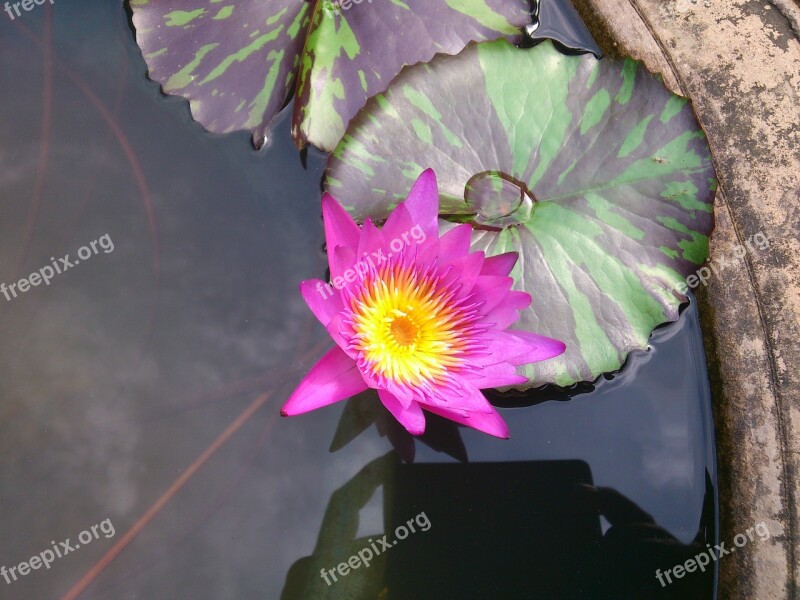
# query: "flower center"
{"type": "Point", "coordinates": [404, 331]}
{"type": "Point", "coordinates": [407, 328]}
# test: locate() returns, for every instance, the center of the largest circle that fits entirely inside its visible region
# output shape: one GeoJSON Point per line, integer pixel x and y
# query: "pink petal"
{"type": "Point", "coordinates": [491, 290]}
{"type": "Point", "coordinates": [423, 203]}
{"type": "Point", "coordinates": [340, 229]}
{"type": "Point", "coordinates": [373, 243]}
{"type": "Point", "coordinates": [466, 399]}
{"type": "Point", "coordinates": [343, 261]}
{"type": "Point", "coordinates": [501, 265]}
{"type": "Point", "coordinates": [517, 349]}
{"type": "Point", "coordinates": [410, 417]}
{"type": "Point", "coordinates": [496, 376]}
{"type": "Point", "coordinates": [401, 392]}
{"type": "Point", "coordinates": [398, 223]}
{"type": "Point", "coordinates": [334, 377]}
{"type": "Point", "coordinates": [463, 272]}
{"type": "Point", "coordinates": [335, 328]}
{"type": "Point", "coordinates": [455, 243]}
{"type": "Point", "coordinates": [542, 347]}
{"type": "Point", "coordinates": [426, 251]}
{"type": "Point", "coordinates": [322, 298]}
{"type": "Point", "coordinates": [507, 312]}
{"type": "Point", "coordinates": [491, 423]}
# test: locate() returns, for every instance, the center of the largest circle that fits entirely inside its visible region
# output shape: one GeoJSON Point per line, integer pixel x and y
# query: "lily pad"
{"type": "Point", "coordinates": [237, 62]}
{"type": "Point", "coordinates": [591, 169]}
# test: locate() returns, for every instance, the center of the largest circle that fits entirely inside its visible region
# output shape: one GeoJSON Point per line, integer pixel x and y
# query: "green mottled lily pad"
{"type": "Point", "coordinates": [237, 62]}
{"type": "Point", "coordinates": [592, 170]}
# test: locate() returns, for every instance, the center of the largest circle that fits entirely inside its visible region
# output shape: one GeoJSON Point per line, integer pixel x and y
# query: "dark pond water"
{"type": "Point", "coordinates": [140, 389]}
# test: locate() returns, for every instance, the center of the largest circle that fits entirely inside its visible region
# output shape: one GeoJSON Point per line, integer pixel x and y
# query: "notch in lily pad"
{"type": "Point", "coordinates": [498, 200]}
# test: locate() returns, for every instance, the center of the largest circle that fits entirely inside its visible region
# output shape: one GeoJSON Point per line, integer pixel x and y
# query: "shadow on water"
{"type": "Point", "coordinates": [527, 529]}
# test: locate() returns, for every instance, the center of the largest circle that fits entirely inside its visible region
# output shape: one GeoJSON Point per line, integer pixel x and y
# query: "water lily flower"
{"type": "Point", "coordinates": [417, 317]}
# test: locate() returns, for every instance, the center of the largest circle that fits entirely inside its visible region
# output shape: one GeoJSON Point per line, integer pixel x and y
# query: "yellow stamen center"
{"type": "Point", "coordinates": [404, 331]}
{"type": "Point", "coordinates": [406, 328]}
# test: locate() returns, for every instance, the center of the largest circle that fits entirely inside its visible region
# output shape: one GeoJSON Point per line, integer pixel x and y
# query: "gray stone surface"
{"type": "Point", "coordinates": [739, 62]}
